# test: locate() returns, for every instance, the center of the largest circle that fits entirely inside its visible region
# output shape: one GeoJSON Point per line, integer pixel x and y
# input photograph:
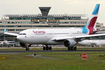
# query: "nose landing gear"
{"type": "Point", "coordinates": [27, 48]}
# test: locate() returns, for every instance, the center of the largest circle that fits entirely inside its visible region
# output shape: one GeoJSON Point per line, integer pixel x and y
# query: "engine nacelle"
{"type": "Point", "coordinates": [69, 43]}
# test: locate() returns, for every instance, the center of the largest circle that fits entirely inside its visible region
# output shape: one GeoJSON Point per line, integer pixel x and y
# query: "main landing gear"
{"type": "Point", "coordinates": [72, 48]}
{"type": "Point", "coordinates": [27, 48]}
{"type": "Point", "coordinates": [47, 47]}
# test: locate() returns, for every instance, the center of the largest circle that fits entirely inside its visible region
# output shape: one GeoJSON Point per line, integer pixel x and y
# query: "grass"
{"type": "Point", "coordinates": [59, 61]}
{"type": "Point", "coordinates": [66, 61]}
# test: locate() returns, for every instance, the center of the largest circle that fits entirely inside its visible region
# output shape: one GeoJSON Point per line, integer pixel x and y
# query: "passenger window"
{"type": "Point", "coordinates": [22, 33]}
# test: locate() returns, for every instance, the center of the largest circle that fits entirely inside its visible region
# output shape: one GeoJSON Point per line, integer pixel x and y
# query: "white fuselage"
{"type": "Point", "coordinates": [45, 36]}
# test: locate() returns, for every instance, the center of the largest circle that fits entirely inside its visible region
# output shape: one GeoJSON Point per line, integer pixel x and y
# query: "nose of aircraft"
{"type": "Point", "coordinates": [19, 38]}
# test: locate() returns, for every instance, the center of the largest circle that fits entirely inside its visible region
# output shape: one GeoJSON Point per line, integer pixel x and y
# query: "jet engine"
{"type": "Point", "coordinates": [69, 43]}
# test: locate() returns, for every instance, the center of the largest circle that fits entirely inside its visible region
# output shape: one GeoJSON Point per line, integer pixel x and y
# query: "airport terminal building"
{"type": "Point", "coordinates": [16, 23]}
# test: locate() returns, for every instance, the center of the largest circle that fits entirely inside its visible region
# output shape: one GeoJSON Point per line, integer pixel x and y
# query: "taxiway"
{"type": "Point", "coordinates": [36, 51]}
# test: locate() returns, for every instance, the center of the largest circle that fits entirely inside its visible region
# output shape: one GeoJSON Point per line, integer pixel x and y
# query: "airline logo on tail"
{"type": "Point", "coordinates": [89, 27]}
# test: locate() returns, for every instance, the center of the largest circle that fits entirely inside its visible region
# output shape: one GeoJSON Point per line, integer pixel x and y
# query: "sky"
{"type": "Point", "coordinates": [57, 7]}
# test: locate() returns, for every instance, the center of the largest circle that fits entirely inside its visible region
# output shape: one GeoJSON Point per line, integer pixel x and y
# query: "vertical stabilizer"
{"type": "Point", "coordinates": [91, 23]}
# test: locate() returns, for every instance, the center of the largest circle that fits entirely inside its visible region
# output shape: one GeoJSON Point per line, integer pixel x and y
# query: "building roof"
{"type": "Point", "coordinates": [39, 15]}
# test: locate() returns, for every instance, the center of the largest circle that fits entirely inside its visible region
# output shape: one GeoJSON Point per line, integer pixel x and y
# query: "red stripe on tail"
{"type": "Point", "coordinates": [91, 25]}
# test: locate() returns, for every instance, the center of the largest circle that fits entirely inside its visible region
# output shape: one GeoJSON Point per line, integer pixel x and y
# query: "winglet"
{"type": "Point", "coordinates": [5, 30]}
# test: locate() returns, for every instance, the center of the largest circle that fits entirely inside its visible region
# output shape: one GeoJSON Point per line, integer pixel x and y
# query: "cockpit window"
{"type": "Point", "coordinates": [22, 33]}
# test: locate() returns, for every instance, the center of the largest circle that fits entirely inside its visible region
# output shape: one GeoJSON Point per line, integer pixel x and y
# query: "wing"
{"type": "Point", "coordinates": [12, 34]}
{"type": "Point", "coordinates": [78, 37]}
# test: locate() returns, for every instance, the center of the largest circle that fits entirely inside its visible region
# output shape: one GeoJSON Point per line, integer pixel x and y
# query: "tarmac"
{"type": "Point", "coordinates": [35, 51]}
{"type": "Point", "coordinates": [32, 51]}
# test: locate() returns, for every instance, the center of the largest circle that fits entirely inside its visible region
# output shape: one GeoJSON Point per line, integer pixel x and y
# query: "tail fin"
{"type": "Point", "coordinates": [91, 23]}
{"type": "Point", "coordinates": [5, 30]}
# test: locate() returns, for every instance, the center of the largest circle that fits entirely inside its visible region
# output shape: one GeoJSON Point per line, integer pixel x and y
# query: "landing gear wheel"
{"type": "Point", "coordinates": [27, 48]}
{"type": "Point", "coordinates": [75, 48]}
{"type": "Point", "coordinates": [44, 48]}
{"type": "Point", "coordinates": [69, 48]}
{"type": "Point", "coordinates": [47, 48]}
{"type": "Point", "coordinates": [50, 48]}
{"type": "Point", "coordinates": [72, 48]}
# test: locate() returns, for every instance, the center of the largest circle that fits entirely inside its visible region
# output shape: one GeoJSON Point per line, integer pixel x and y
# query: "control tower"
{"type": "Point", "coordinates": [44, 10]}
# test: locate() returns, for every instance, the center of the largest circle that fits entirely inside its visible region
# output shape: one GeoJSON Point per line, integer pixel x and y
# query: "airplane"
{"type": "Point", "coordinates": [68, 37]}
{"type": "Point", "coordinates": [92, 43]}
{"type": "Point", "coordinates": [6, 43]}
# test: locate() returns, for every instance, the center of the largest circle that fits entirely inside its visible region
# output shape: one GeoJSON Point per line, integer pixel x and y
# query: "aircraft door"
{"type": "Point", "coordinates": [32, 36]}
